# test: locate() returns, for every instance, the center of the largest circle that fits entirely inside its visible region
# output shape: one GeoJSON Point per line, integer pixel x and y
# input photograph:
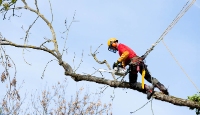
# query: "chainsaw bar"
{"type": "Point", "coordinates": [116, 71]}
{"type": "Point", "coordinates": [104, 70]}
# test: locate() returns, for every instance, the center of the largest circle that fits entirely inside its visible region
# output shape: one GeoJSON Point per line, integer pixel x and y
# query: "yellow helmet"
{"type": "Point", "coordinates": [111, 40]}
{"type": "Point", "coordinates": [110, 45]}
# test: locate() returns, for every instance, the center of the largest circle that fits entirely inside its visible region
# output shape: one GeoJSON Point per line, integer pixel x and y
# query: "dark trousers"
{"type": "Point", "coordinates": [133, 77]}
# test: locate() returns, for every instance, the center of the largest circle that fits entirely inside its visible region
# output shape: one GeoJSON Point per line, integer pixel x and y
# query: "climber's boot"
{"type": "Point", "coordinates": [162, 88]}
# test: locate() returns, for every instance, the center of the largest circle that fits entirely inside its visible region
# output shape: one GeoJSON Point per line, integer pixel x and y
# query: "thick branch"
{"type": "Point", "coordinates": [119, 84]}
{"type": "Point", "coordinates": [28, 46]}
{"type": "Point", "coordinates": [65, 65]}
{"type": "Point", "coordinates": [176, 100]}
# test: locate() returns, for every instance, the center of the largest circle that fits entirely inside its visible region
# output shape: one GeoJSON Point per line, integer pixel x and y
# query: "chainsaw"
{"type": "Point", "coordinates": [117, 70]}
{"type": "Point", "coordinates": [122, 72]}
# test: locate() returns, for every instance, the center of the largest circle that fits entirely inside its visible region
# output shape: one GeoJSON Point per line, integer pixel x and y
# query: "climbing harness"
{"type": "Point", "coordinates": [136, 61]}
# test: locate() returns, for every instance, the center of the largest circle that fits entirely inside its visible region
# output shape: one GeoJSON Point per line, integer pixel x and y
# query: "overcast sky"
{"type": "Point", "coordinates": [136, 23]}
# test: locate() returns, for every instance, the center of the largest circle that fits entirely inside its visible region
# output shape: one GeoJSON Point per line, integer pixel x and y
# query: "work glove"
{"type": "Point", "coordinates": [115, 64]}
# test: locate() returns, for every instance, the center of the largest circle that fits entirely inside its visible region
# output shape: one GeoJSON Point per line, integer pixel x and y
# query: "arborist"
{"type": "Point", "coordinates": [136, 64]}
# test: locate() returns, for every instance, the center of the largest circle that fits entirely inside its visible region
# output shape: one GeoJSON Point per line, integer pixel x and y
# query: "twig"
{"type": "Point", "coordinates": [67, 30]}
{"type": "Point", "coordinates": [51, 11]}
{"type": "Point", "coordinates": [46, 67]}
{"type": "Point", "coordinates": [141, 106]}
{"type": "Point", "coordinates": [24, 57]}
{"type": "Point", "coordinates": [47, 41]}
{"type": "Point", "coordinates": [79, 63]}
{"type": "Point", "coordinates": [95, 52]}
{"type": "Point", "coordinates": [27, 32]}
{"type": "Point", "coordinates": [74, 59]}
{"type": "Point", "coordinates": [25, 40]}
{"type": "Point", "coordinates": [14, 66]}
{"type": "Point", "coordinates": [36, 5]}
{"type": "Point", "coordinates": [96, 71]}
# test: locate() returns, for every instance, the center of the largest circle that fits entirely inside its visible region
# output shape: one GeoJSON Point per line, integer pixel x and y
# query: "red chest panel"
{"type": "Point", "coordinates": [122, 48]}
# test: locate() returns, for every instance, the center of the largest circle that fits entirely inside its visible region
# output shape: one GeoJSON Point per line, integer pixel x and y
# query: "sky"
{"type": "Point", "coordinates": [136, 23]}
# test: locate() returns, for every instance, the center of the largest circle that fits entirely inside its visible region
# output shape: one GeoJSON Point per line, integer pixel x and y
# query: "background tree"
{"type": "Point", "coordinates": [54, 101]}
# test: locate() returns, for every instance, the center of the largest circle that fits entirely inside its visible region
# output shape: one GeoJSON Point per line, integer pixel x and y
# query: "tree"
{"type": "Point", "coordinates": [54, 101]}
{"type": "Point", "coordinates": [11, 7]}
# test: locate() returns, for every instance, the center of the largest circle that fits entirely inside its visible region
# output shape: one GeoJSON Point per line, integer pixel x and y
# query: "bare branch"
{"type": "Point", "coordinates": [51, 11]}
{"type": "Point", "coordinates": [14, 66]}
{"type": "Point", "coordinates": [67, 30]}
{"type": "Point", "coordinates": [36, 6]}
{"type": "Point", "coordinates": [96, 71]}
{"type": "Point", "coordinates": [24, 2]}
{"type": "Point", "coordinates": [79, 63]}
{"type": "Point", "coordinates": [74, 59]}
{"type": "Point", "coordinates": [101, 62]}
{"type": "Point", "coordinates": [46, 67]}
{"type": "Point", "coordinates": [24, 57]}
{"type": "Point", "coordinates": [141, 106]}
{"type": "Point", "coordinates": [27, 32]}
{"type": "Point", "coordinates": [6, 42]}
{"type": "Point", "coordinates": [50, 27]}
{"type": "Point", "coordinates": [26, 38]}
{"type": "Point", "coordinates": [47, 41]}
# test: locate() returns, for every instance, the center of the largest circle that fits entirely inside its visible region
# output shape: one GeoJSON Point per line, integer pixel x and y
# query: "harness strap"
{"type": "Point", "coordinates": [138, 68]}
{"type": "Point", "coordinates": [135, 61]}
{"type": "Point", "coordinates": [143, 75]}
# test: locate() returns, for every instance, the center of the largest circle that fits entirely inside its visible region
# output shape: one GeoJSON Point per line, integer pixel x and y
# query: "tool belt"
{"type": "Point", "coordinates": [136, 60]}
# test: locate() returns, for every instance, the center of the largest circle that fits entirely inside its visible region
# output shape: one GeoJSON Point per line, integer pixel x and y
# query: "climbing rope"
{"type": "Point", "coordinates": [180, 66]}
{"type": "Point", "coordinates": [142, 106]}
{"type": "Point", "coordinates": [180, 14]}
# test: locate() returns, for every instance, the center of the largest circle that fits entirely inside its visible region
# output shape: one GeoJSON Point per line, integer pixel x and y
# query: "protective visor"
{"type": "Point", "coordinates": [112, 49]}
